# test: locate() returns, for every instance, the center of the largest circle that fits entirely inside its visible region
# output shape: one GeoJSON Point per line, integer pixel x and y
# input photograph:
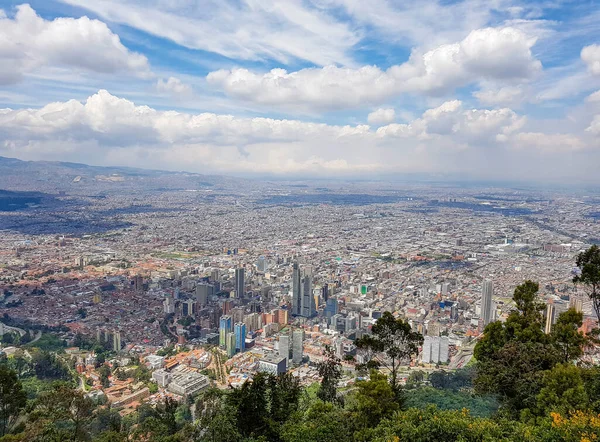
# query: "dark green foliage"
{"type": "Point", "coordinates": [264, 404]}
{"type": "Point", "coordinates": [47, 366]}
{"type": "Point", "coordinates": [394, 339]}
{"type": "Point", "coordinates": [12, 399]}
{"type": "Point", "coordinates": [330, 371]}
{"type": "Point", "coordinates": [480, 406]}
{"type": "Point", "coordinates": [589, 265]}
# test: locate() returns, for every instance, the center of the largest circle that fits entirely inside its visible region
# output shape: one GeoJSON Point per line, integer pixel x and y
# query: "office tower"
{"type": "Point", "coordinates": [444, 349]}
{"type": "Point", "coordinates": [426, 352]}
{"type": "Point", "coordinates": [284, 346]}
{"type": "Point", "coordinates": [297, 346]}
{"type": "Point", "coordinates": [487, 306]}
{"type": "Point", "coordinates": [215, 275]}
{"type": "Point", "coordinates": [117, 341]}
{"type": "Point", "coordinates": [454, 312]}
{"type": "Point", "coordinates": [230, 344]}
{"type": "Point", "coordinates": [350, 324]}
{"type": "Point", "coordinates": [227, 306]}
{"type": "Point", "coordinates": [445, 288]}
{"type": "Point", "coordinates": [225, 326]}
{"type": "Point", "coordinates": [240, 336]}
{"type": "Point", "coordinates": [331, 308]}
{"type": "Point", "coordinates": [325, 292]}
{"type": "Point", "coordinates": [239, 282]}
{"type": "Point", "coordinates": [308, 306]}
{"type": "Point", "coordinates": [435, 350]}
{"type": "Point", "coordinates": [576, 303]}
{"type": "Point", "coordinates": [261, 264]}
{"type": "Point", "coordinates": [169, 306]}
{"type": "Point", "coordinates": [237, 314]}
{"type": "Point", "coordinates": [550, 316]}
{"type": "Point", "coordinates": [203, 293]}
{"type": "Point", "coordinates": [296, 292]}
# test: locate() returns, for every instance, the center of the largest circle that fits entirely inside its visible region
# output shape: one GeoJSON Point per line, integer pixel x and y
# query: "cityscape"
{"type": "Point", "coordinates": [299, 221]}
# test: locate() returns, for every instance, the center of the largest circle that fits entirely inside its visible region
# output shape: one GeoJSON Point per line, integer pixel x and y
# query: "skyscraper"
{"type": "Point", "coordinates": [296, 292]}
{"type": "Point", "coordinates": [303, 301]}
{"type": "Point", "coordinates": [487, 313]}
{"type": "Point", "coordinates": [550, 316]}
{"type": "Point", "coordinates": [230, 344]}
{"type": "Point", "coordinates": [225, 326]}
{"type": "Point", "coordinates": [239, 282]}
{"type": "Point", "coordinates": [284, 346]}
{"type": "Point", "coordinates": [297, 346]}
{"type": "Point", "coordinates": [240, 336]}
{"type": "Point", "coordinates": [203, 292]}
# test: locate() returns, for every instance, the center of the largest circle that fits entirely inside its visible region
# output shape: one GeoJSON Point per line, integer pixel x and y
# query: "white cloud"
{"type": "Point", "coordinates": [593, 98]}
{"type": "Point", "coordinates": [594, 127]}
{"type": "Point", "coordinates": [173, 86]}
{"type": "Point", "coordinates": [28, 42]}
{"type": "Point", "coordinates": [106, 129]}
{"type": "Point", "coordinates": [591, 56]}
{"type": "Point", "coordinates": [381, 116]}
{"type": "Point", "coordinates": [548, 142]}
{"type": "Point", "coordinates": [501, 54]}
{"type": "Point", "coordinates": [505, 96]}
{"type": "Point", "coordinates": [282, 30]}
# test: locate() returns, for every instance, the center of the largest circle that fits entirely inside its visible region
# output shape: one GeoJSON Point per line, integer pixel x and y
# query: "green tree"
{"type": "Point", "coordinates": [588, 263]}
{"type": "Point", "coordinates": [12, 399]}
{"type": "Point", "coordinates": [513, 356]}
{"type": "Point", "coordinates": [563, 391]}
{"type": "Point", "coordinates": [321, 422]}
{"type": "Point", "coordinates": [375, 400]}
{"type": "Point", "coordinates": [330, 370]}
{"type": "Point", "coordinates": [566, 335]}
{"type": "Point", "coordinates": [391, 344]}
{"type": "Point", "coordinates": [105, 420]}
{"type": "Point", "coordinates": [63, 413]}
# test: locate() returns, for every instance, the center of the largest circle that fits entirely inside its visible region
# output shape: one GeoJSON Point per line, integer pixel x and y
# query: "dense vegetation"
{"type": "Point", "coordinates": [526, 385]}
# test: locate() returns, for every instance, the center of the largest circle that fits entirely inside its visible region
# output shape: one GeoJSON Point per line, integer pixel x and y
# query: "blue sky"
{"type": "Point", "coordinates": [316, 88]}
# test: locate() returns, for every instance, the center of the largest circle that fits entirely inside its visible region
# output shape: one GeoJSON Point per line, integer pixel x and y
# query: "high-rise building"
{"type": "Point", "coordinates": [230, 344]}
{"type": "Point", "coordinates": [550, 318]}
{"type": "Point", "coordinates": [203, 293]}
{"type": "Point", "coordinates": [239, 282]}
{"type": "Point", "coordinates": [487, 306]}
{"type": "Point", "coordinates": [331, 308]}
{"type": "Point", "coordinates": [284, 346]}
{"type": "Point", "coordinates": [297, 346]}
{"type": "Point", "coordinates": [240, 336]}
{"type": "Point", "coordinates": [435, 349]}
{"type": "Point", "coordinates": [577, 304]}
{"type": "Point", "coordinates": [309, 308]}
{"type": "Point", "coordinates": [262, 264]}
{"type": "Point", "coordinates": [225, 326]}
{"type": "Point", "coordinates": [296, 291]}
{"type": "Point", "coordinates": [117, 341]}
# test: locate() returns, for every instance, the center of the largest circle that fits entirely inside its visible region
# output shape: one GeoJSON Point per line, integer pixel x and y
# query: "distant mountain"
{"type": "Point", "coordinates": [77, 178]}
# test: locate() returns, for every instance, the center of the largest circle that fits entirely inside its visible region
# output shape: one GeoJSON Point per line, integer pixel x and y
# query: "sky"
{"type": "Point", "coordinates": [292, 89]}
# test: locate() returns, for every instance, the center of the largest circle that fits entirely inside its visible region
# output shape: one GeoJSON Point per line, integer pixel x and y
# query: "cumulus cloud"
{"type": "Point", "coordinates": [593, 98]}
{"type": "Point", "coordinates": [505, 96]}
{"type": "Point", "coordinates": [27, 42]}
{"type": "Point", "coordinates": [173, 86]}
{"type": "Point", "coordinates": [591, 56]}
{"type": "Point", "coordinates": [594, 127]}
{"type": "Point", "coordinates": [501, 54]}
{"type": "Point", "coordinates": [381, 116]}
{"type": "Point", "coordinates": [107, 129]}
